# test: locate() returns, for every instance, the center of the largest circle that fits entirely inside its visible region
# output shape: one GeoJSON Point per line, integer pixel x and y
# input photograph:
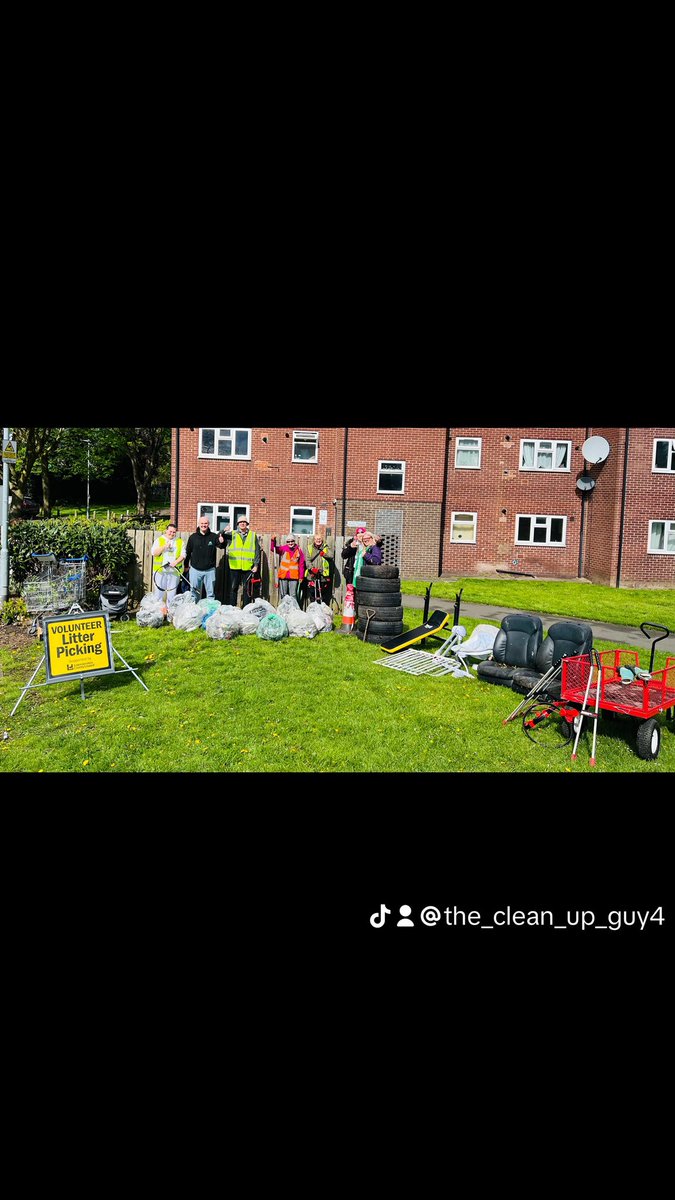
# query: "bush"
{"type": "Point", "coordinates": [12, 610]}
{"type": "Point", "coordinates": [107, 547]}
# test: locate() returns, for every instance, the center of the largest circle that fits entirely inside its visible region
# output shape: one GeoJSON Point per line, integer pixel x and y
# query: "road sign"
{"type": "Point", "coordinates": [8, 450]}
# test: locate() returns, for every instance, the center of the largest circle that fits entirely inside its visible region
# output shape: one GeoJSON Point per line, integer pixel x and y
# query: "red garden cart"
{"type": "Point", "coordinates": [624, 688]}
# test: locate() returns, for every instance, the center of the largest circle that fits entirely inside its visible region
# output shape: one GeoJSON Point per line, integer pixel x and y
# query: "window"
{"type": "Point", "coordinates": [540, 531]}
{"type": "Point", "coordinates": [664, 455]}
{"type": "Point", "coordinates": [221, 515]}
{"type": "Point", "coordinates": [305, 447]}
{"type": "Point", "coordinates": [224, 443]}
{"type": "Point", "coordinates": [463, 527]}
{"type": "Point", "coordinates": [467, 452]}
{"type": "Point", "coordinates": [302, 520]}
{"type": "Point", "coordinates": [391, 477]}
{"type": "Point", "coordinates": [536, 455]}
{"type": "Point", "coordinates": [661, 537]}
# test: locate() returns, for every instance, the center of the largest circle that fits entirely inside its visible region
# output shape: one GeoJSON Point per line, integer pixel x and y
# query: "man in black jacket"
{"type": "Point", "coordinates": [200, 556]}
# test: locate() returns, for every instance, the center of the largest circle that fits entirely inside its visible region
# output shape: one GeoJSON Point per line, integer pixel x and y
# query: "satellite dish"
{"type": "Point", "coordinates": [585, 483]}
{"type": "Point", "coordinates": [595, 450]}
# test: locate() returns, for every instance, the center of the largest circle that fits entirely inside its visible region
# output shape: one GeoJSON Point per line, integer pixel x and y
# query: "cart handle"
{"type": "Point", "coordinates": [650, 625]}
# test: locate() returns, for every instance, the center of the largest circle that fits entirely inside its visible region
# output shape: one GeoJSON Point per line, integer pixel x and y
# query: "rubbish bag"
{"type": "Point", "coordinates": [272, 627]}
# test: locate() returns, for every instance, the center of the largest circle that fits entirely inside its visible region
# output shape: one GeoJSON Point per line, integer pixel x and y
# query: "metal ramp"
{"type": "Point", "coordinates": [452, 657]}
{"type": "Point", "coordinates": [418, 662]}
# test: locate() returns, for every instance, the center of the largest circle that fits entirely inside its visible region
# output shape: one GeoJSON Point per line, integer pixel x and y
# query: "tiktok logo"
{"type": "Point", "coordinates": [377, 919]}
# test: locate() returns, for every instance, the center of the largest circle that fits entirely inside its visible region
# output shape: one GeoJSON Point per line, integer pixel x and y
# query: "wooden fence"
{"type": "Point", "coordinates": [140, 574]}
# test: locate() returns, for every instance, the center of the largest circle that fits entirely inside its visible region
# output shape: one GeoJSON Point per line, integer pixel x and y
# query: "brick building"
{"type": "Point", "coordinates": [470, 500]}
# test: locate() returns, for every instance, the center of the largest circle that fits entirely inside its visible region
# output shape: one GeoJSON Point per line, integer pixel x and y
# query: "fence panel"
{"type": "Point", "coordinates": [140, 574]}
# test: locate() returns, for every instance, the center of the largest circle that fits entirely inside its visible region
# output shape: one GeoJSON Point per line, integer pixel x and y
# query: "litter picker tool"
{"type": "Point", "coordinates": [541, 684]}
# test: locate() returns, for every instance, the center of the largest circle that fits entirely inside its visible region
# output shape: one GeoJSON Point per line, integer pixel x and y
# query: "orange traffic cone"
{"type": "Point", "coordinates": [348, 610]}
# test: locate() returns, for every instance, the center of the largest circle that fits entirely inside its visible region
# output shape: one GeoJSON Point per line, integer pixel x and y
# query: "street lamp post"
{"type": "Point", "coordinates": [87, 440]}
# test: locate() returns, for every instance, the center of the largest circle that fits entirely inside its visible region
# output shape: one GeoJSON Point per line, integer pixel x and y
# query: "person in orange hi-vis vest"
{"type": "Point", "coordinates": [291, 567]}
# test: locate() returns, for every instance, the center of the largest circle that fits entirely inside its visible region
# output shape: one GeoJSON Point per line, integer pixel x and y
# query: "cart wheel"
{"type": "Point", "coordinates": [649, 740]}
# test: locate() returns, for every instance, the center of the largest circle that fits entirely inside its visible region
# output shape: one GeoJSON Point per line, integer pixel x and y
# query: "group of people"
{"type": "Point", "coordinates": [241, 562]}
{"type": "Point", "coordinates": [198, 557]}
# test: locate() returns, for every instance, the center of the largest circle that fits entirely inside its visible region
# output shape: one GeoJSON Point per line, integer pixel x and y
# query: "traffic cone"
{"type": "Point", "coordinates": [348, 610]}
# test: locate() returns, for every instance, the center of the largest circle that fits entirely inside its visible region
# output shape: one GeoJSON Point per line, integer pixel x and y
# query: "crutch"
{"type": "Point", "coordinates": [585, 711]}
{"type": "Point", "coordinates": [538, 687]}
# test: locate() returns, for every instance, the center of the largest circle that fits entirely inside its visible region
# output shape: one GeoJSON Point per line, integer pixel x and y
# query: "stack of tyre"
{"type": "Point", "coordinates": [378, 596]}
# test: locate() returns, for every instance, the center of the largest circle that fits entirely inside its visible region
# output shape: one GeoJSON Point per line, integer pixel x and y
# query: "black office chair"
{"type": "Point", "coordinates": [565, 639]}
{"type": "Point", "coordinates": [516, 646]}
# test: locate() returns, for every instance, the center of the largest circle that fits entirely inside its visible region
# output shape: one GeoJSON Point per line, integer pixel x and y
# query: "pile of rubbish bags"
{"type": "Point", "coordinates": [224, 622]}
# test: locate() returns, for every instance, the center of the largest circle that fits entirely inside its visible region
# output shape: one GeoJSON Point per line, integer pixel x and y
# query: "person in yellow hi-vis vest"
{"type": "Point", "coordinates": [167, 551]}
{"type": "Point", "coordinates": [243, 552]}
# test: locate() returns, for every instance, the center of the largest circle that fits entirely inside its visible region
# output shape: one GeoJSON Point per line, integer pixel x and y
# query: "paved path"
{"type": "Point", "coordinates": [625, 634]}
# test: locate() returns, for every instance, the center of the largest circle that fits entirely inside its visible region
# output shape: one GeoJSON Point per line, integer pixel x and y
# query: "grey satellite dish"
{"type": "Point", "coordinates": [585, 483]}
{"type": "Point", "coordinates": [595, 450]}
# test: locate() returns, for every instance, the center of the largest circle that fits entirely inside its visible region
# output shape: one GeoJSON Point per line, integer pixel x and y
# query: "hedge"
{"type": "Point", "coordinates": [107, 547]}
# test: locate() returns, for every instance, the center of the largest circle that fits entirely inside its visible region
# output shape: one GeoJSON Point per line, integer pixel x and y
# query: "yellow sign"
{"type": "Point", "coordinates": [77, 645]}
{"type": "Point", "coordinates": [9, 451]}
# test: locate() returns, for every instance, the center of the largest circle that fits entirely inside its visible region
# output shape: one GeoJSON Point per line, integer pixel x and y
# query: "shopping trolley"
{"type": "Point", "coordinates": [54, 587]}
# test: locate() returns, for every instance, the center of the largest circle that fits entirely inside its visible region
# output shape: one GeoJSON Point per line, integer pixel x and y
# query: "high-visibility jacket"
{"type": "Point", "coordinates": [289, 567]}
{"type": "Point", "coordinates": [158, 562]}
{"type": "Point", "coordinates": [316, 561]}
{"type": "Point", "coordinates": [241, 552]}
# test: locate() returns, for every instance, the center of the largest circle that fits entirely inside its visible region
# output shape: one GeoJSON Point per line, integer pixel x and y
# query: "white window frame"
{"type": "Point", "coordinates": [307, 435]}
{"type": "Point", "coordinates": [541, 517]}
{"type": "Point", "coordinates": [665, 531]}
{"type": "Point", "coordinates": [464, 541]}
{"type": "Point", "coordinates": [468, 466]}
{"type": "Point", "coordinates": [664, 470]}
{"type": "Point", "coordinates": [242, 510]}
{"type": "Point", "coordinates": [387, 491]}
{"type": "Point", "coordinates": [305, 508]}
{"type": "Point", "coordinates": [218, 430]}
{"type": "Point", "coordinates": [538, 443]}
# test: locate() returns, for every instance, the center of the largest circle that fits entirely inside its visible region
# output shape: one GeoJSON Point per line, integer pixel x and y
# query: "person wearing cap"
{"type": "Point", "coordinates": [319, 569]}
{"type": "Point", "coordinates": [352, 555]}
{"type": "Point", "coordinates": [292, 566]}
{"type": "Point", "coordinates": [243, 552]}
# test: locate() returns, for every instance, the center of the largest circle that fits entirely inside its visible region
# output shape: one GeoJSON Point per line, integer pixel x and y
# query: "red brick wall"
{"type": "Point", "coordinates": [649, 497]}
{"type": "Point", "coordinates": [500, 485]}
{"type": "Point", "coordinates": [270, 474]}
{"type": "Point", "coordinates": [603, 509]}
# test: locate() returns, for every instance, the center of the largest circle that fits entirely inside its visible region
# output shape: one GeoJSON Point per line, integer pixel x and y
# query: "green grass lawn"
{"type": "Point", "coordinates": [619, 606]}
{"type": "Point", "coordinates": [97, 511]}
{"type": "Point", "coordinates": [302, 706]}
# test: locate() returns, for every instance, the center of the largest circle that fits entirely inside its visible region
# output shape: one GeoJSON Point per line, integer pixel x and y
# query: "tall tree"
{"type": "Point", "coordinates": [35, 446]}
{"type": "Point", "coordinates": [69, 452]}
{"type": "Point", "coordinates": [149, 451]}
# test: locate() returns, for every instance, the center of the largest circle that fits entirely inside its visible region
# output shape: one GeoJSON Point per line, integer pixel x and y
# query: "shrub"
{"type": "Point", "coordinates": [107, 547]}
{"type": "Point", "coordinates": [12, 610]}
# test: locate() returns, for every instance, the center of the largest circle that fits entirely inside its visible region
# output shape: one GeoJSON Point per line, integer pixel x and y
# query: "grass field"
{"type": "Point", "coordinates": [296, 706]}
{"type": "Point", "coordinates": [592, 602]}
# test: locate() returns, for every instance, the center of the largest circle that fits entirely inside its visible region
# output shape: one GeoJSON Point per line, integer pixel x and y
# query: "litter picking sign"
{"type": "Point", "coordinates": [77, 646]}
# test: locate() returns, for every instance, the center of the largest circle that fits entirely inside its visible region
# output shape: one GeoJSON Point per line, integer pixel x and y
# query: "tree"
{"type": "Point", "coordinates": [35, 445]}
{"type": "Point", "coordinates": [149, 451]}
{"type": "Point", "coordinates": [63, 452]}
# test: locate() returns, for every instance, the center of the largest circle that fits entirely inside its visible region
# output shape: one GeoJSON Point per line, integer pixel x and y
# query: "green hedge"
{"type": "Point", "coordinates": [108, 549]}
